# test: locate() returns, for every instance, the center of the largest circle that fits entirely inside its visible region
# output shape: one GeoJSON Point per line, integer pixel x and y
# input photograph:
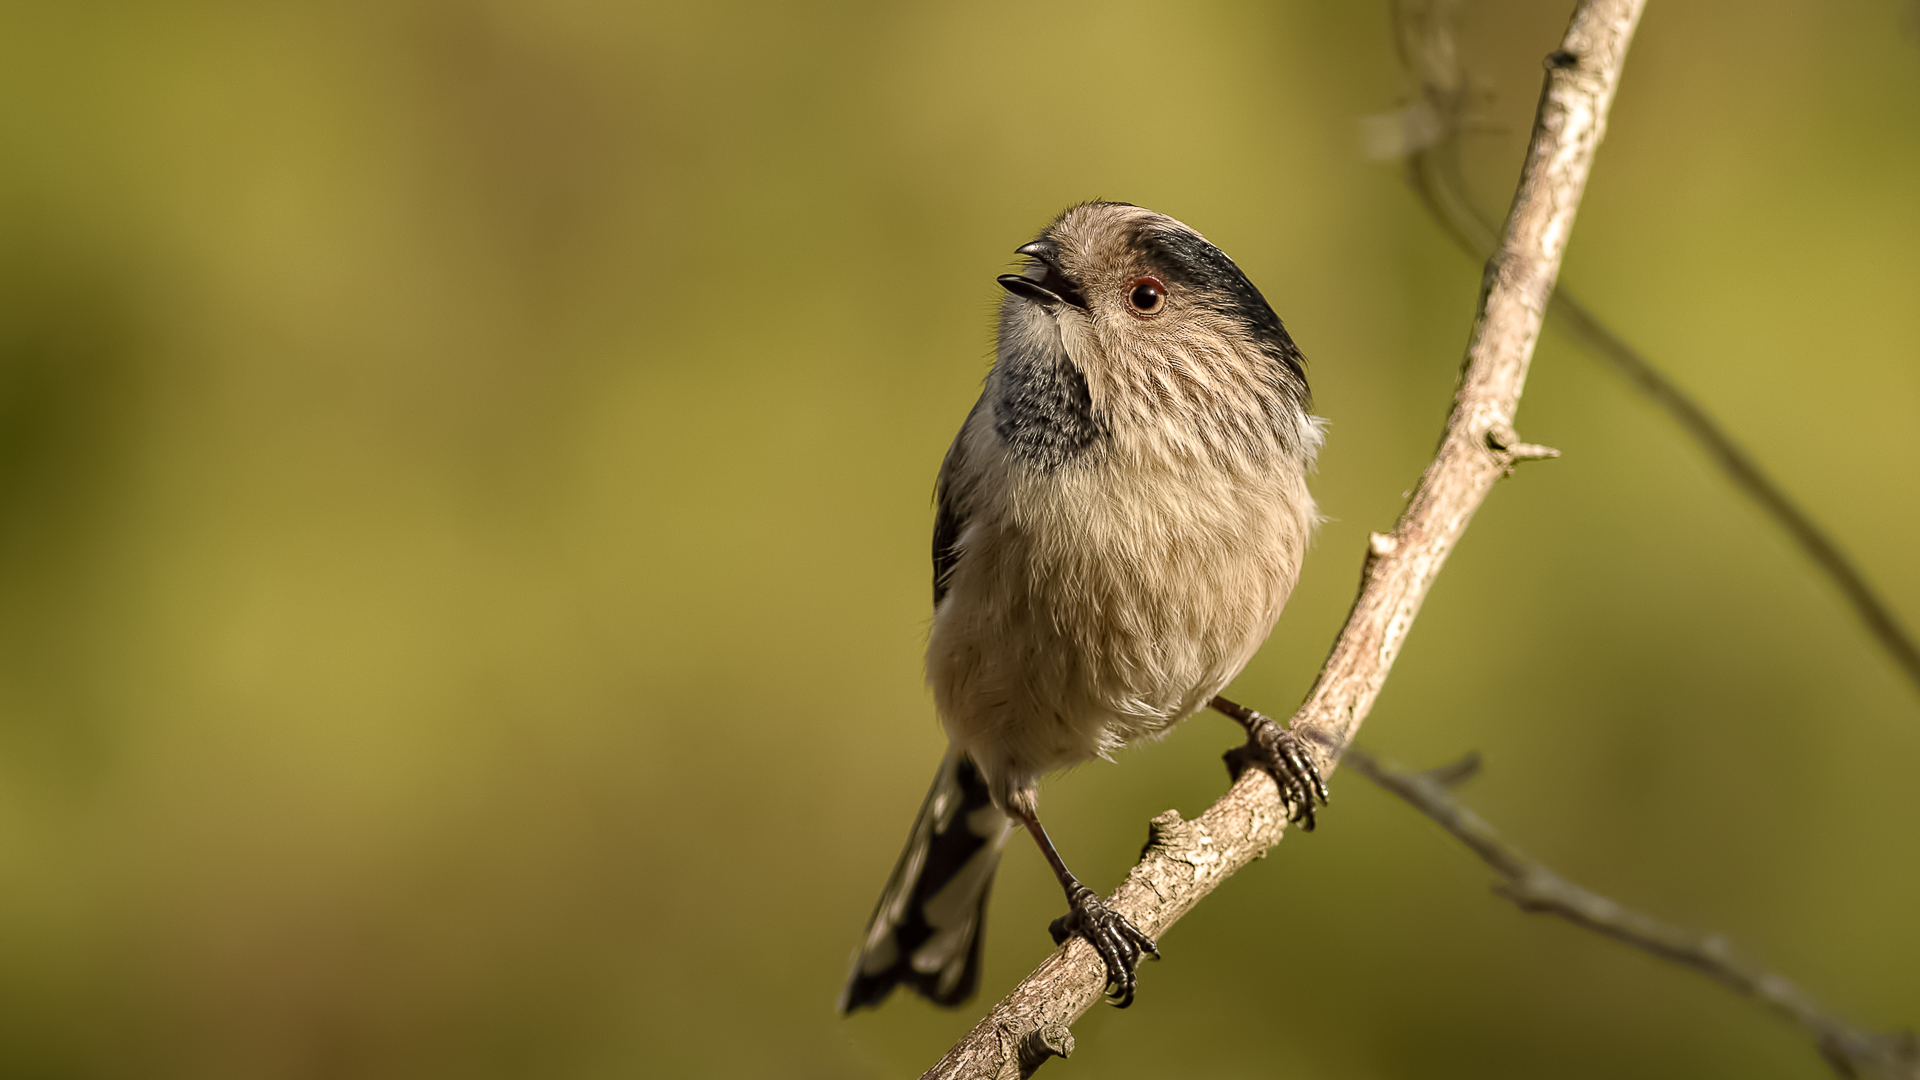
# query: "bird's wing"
{"type": "Point", "coordinates": [950, 510]}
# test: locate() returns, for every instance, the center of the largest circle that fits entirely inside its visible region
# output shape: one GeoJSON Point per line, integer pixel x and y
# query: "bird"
{"type": "Point", "coordinates": [1117, 526]}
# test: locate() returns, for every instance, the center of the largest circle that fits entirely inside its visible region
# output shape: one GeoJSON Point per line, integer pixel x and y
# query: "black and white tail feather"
{"type": "Point", "coordinates": [925, 932]}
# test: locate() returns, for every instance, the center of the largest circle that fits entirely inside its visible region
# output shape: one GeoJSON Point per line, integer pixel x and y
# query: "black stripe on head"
{"type": "Point", "coordinates": [1183, 257]}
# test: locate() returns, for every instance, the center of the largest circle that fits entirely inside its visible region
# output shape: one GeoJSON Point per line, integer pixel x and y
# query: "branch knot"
{"type": "Point", "coordinates": [1050, 1039]}
{"type": "Point", "coordinates": [1505, 445]}
{"type": "Point", "coordinates": [1166, 832]}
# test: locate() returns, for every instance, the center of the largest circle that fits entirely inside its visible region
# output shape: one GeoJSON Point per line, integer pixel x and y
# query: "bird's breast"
{"type": "Point", "coordinates": [1101, 602]}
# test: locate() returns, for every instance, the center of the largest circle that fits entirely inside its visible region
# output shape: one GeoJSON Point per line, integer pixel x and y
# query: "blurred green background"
{"type": "Point", "coordinates": [465, 481]}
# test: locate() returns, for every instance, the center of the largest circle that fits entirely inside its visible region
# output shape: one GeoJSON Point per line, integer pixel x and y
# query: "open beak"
{"type": "Point", "coordinates": [1042, 280]}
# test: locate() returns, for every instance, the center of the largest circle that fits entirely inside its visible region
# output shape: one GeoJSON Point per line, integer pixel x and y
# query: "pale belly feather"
{"type": "Point", "coordinates": [1092, 609]}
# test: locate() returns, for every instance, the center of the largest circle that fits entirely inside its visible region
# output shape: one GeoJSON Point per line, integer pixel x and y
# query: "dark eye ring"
{"type": "Point", "coordinates": [1146, 296]}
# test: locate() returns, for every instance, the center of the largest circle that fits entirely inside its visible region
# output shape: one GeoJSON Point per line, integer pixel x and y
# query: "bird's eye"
{"type": "Point", "coordinates": [1147, 296]}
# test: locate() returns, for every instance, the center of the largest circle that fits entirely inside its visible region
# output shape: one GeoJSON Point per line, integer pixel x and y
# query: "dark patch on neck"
{"type": "Point", "coordinates": [1184, 258]}
{"type": "Point", "coordinates": [1042, 410]}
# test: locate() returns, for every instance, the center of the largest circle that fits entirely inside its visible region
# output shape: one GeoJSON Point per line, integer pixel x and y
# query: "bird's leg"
{"type": "Point", "coordinates": [1284, 757]}
{"type": "Point", "coordinates": [1119, 943]}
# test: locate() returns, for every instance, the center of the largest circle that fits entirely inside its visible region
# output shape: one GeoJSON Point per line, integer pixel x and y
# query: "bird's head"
{"type": "Point", "coordinates": [1166, 332]}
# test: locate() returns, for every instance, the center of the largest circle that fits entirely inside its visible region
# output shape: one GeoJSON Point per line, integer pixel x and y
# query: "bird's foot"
{"type": "Point", "coordinates": [1119, 943]}
{"type": "Point", "coordinates": [1284, 756]}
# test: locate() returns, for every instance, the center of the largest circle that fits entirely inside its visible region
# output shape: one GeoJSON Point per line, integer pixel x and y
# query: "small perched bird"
{"type": "Point", "coordinates": [1120, 520]}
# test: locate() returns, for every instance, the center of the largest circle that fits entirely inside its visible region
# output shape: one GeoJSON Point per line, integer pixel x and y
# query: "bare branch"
{"type": "Point", "coordinates": [1536, 888]}
{"type": "Point", "coordinates": [1185, 860]}
{"type": "Point", "coordinates": [1427, 133]}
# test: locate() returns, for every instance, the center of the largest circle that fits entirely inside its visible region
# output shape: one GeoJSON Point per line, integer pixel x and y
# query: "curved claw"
{"type": "Point", "coordinates": [1282, 755]}
{"type": "Point", "coordinates": [1119, 943]}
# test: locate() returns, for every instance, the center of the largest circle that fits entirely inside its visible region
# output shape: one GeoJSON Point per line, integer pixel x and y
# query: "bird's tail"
{"type": "Point", "coordinates": [926, 930]}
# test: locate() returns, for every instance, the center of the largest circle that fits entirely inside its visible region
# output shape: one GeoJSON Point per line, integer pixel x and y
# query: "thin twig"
{"type": "Point", "coordinates": [1536, 888]}
{"type": "Point", "coordinates": [1184, 860]}
{"type": "Point", "coordinates": [1428, 134]}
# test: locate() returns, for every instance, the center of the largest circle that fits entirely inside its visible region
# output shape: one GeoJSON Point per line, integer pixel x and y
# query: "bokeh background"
{"type": "Point", "coordinates": [465, 475]}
